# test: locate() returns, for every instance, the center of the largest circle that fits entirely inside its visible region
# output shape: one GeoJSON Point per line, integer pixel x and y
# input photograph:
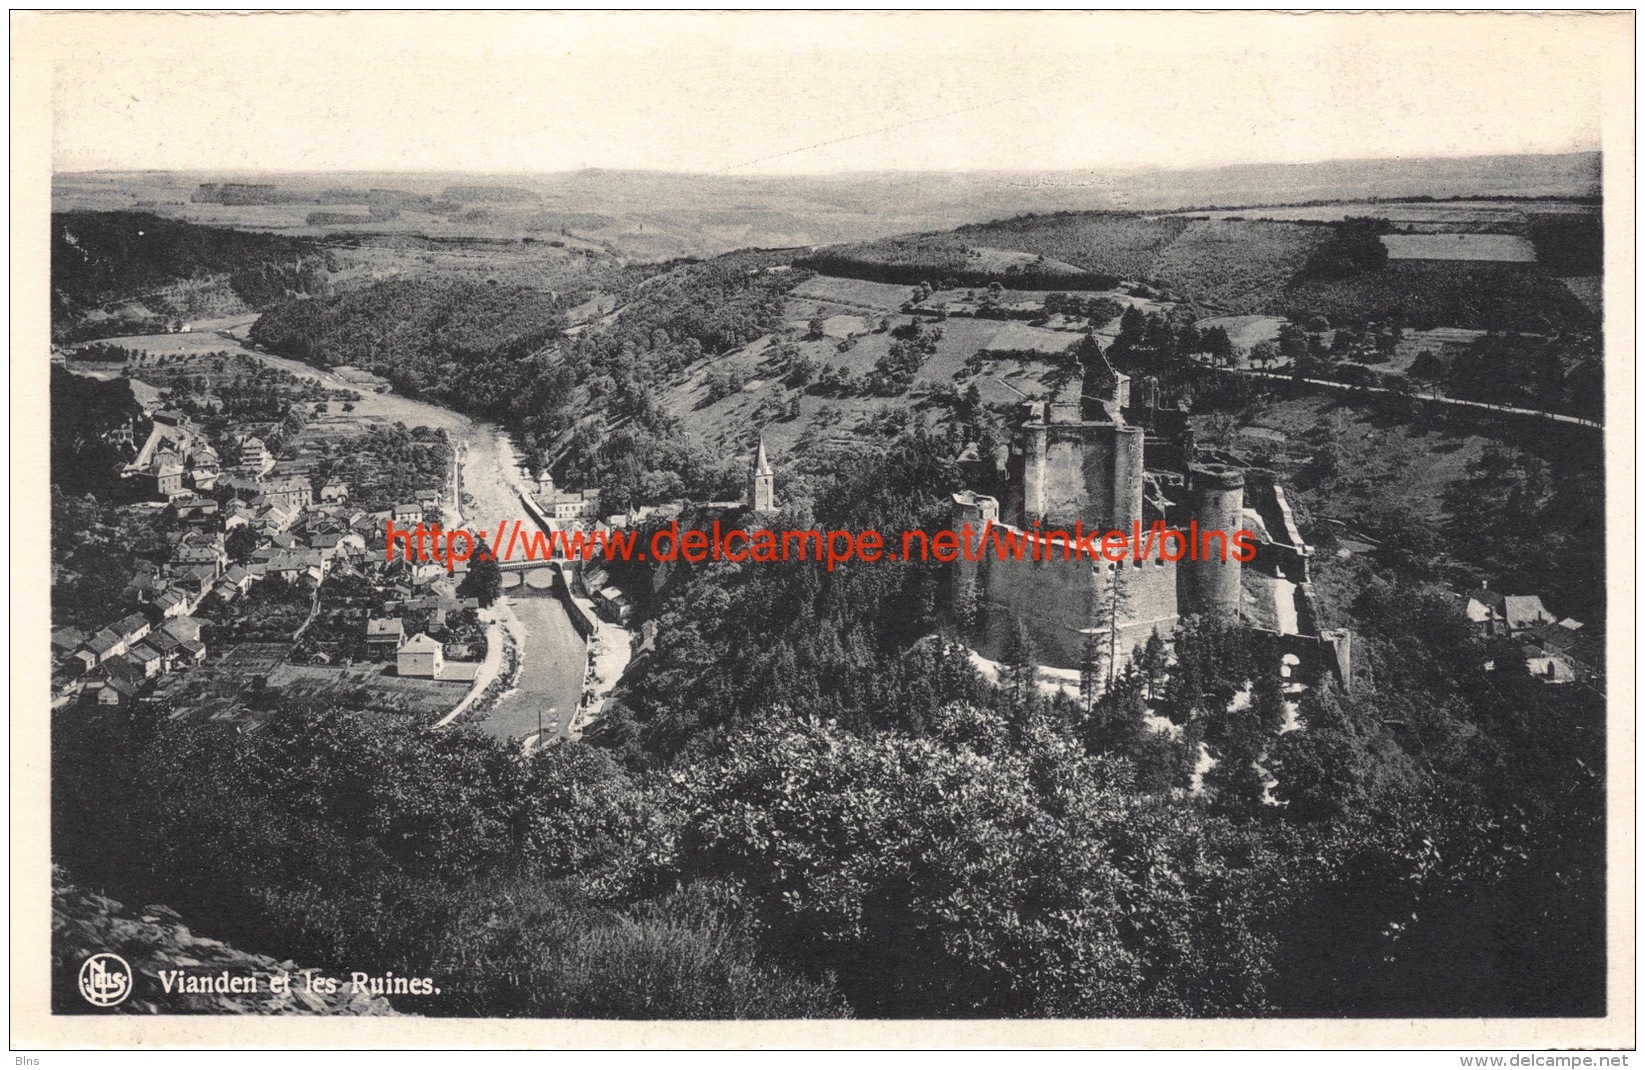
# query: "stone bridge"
{"type": "Point", "coordinates": [533, 575]}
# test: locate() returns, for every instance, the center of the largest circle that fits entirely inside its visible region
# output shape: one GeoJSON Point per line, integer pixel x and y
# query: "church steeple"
{"type": "Point", "coordinates": [762, 489]}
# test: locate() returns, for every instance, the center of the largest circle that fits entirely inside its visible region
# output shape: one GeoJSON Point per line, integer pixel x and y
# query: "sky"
{"type": "Point", "coordinates": [812, 93]}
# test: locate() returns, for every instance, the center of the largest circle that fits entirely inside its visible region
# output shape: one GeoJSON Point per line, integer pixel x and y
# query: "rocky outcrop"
{"type": "Point", "coordinates": [155, 944]}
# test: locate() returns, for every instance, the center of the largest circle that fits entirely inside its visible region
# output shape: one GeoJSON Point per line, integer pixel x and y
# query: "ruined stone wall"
{"type": "Point", "coordinates": [1086, 472]}
{"type": "Point", "coordinates": [1059, 601]}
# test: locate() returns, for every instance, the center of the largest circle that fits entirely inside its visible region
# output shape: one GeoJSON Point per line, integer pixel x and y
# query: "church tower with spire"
{"type": "Point", "coordinates": [762, 484]}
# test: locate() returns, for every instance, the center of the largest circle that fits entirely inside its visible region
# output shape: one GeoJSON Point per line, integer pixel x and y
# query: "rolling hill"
{"type": "Point", "coordinates": [656, 215]}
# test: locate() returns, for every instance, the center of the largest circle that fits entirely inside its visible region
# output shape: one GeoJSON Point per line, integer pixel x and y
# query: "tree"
{"type": "Point", "coordinates": [959, 874]}
{"type": "Point", "coordinates": [240, 544]}
{"type": "Point", "coordinates": [1293, 340]}
{"type": "Point", "coordinates": [1219, 345]}
{"type": "Point", "coordinates": [1091, 676]}
{"type": "Point", "coordinates": [968, 606]}
{"type": "Point", "coordinates": [814, 327]}
{"type": "Point", "coordinates": [484, 580]}
{"type": "Point", "coordinates": [1119, 601]}
{"type": "Point", "coordinates": [1154, 664]}
{"type": "Point", "coordinates": [1021, 675]}
{"type": "Point", "coordinates": [1427, 368]}
{"type": "Point", "coordinates": [1265, 353]}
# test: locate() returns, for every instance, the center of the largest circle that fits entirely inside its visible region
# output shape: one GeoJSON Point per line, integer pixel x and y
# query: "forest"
{"type": "Point", "coordinates": [112, 259]}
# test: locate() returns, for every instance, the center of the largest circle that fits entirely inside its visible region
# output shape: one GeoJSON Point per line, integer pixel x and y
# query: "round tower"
{"type": "Point", "coordinates": [1129, 467]}
{"type": "Point", "coordinates": [1216, 500]}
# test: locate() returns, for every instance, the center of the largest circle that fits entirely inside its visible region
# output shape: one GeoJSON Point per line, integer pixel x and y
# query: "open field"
{"type": "Point", "coordinates": [856, 293]}
{"type": "Point", "coordinates": [1417, 215]}
{"type": "Point", "coordinates": [1504, 247]}
{"type": "Point", "coordinates": [1013, 337]}
{"type": "Point", "coordinates": [843, 326]}
{"type": "Point", "coordinates": [1245, 331]}
{"type": "Point", "coordinates": [765, 397]}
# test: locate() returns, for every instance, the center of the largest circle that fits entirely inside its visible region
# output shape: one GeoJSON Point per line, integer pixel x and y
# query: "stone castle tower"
{"type": "Point", "coordinates": [1216, 502]}
{"type": "Point", "coordinates": [762, 483]}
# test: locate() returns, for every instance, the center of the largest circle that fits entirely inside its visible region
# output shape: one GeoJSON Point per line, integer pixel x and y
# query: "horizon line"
{"type": "Point", "coordinates": [842, 173]}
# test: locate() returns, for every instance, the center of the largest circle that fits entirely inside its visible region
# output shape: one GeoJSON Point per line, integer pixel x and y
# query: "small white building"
{"type": "Point", "coordinates": [420, 656]}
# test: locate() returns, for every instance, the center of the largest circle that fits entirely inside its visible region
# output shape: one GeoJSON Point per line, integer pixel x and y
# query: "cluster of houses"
{"type": "Point", "coordinates": [581, 509]}
{"type": "Point", "coordinates": [300, 536]}
{"type": "Point", "coordinates": [1557, 651]}
{"type": "Point", "coordinates": [418, 655]}
{"type": "Point", "coordinates": [175, 461]}
{"type": "Point", "coordinates": [558, 504]}
{"type": "Point", "coordinates": [118, 659]}
{"type": "Point", "coordinates": [559, 508]}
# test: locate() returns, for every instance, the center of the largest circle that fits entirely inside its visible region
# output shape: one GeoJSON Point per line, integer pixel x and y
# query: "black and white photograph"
{"type": "Point", "coordinates": [831, 518]}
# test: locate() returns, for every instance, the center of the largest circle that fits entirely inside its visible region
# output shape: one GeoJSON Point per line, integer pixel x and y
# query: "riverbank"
{"type": "Point", "coordinates": [608, 646]}
{"type": "Point", "coordinates": [535, 658]}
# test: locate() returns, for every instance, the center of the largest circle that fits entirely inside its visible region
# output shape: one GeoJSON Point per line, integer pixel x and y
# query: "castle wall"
{"type": "Point", "coordinates": [1284, 554]}
{"type": "Point", "coordinates": [1059, 601]}
{"type": "Point", "coordinates": [1083, 471]}
{"type": "Point", "coordinates": [1068, 492]}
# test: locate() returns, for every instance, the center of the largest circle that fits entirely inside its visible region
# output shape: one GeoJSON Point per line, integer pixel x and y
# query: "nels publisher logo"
{"type": "Point", "coordinates": [105, 980]}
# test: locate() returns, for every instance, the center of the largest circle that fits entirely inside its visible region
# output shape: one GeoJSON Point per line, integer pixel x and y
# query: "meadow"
{"type": "Point", "coordinates": [1509, 248]}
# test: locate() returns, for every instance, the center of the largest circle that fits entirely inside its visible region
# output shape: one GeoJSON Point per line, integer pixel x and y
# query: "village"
{"type": "Point", "coordinates": [276, 576]}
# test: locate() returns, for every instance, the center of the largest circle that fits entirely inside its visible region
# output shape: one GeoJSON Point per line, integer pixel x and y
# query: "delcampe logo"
{"type": "Point", "coordinates": [105, 980]}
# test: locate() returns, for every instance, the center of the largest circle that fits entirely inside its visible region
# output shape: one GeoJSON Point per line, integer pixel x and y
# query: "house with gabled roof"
{"type": "Point", "coordinates": [384, 636]}
{"type": "Point", "coordinates": [1496, 613]}
{"type": "Point", "coordinates": [420, 656]}
{"type": "Point", "coordinates": [146, 658]}
{"type": "Point", "coordinates": [65, 640]}
{"type": "Point", "coordinates": [115, 691]}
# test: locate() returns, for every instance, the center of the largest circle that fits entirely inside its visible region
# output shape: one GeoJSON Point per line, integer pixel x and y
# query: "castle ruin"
{"type": "Point", "coordinates": [1113, 460]}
